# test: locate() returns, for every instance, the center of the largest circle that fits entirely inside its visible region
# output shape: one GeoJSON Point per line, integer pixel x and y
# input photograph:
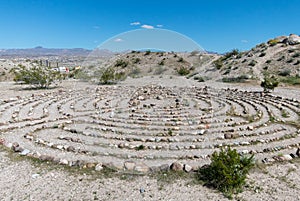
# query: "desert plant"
{"type": "Point", "coordinates": [180, 59]}
{"type": "Point", "coordinates": [262, 54]}
{"type": "Point", "coordinates": [285, 72]}
{"type": "Point", "coordinates": [227, 171]}
{"type": "Point", "coordinates": [183, 71]}
{"type": "Point", "coordinates": [38, 76]}
{"type": "Point", "coordinates": [136, 60]}
{"type": "Point", "coordinates": [218, 63]}
{"type": "Point", "coordinates": [273, 42]}
{"type": "Point", "coordinates": [161, 63]}
{"type": "Point", "coordinates": [252, 63]}
{"type": "Point", "coordinates": [269, 83]}
{"type": "Point", "coordinates": [121, 63]}
{"type": "Point", "coordinates": [147, 52]}
{"type": "Point", "coordinates": [108, 76]}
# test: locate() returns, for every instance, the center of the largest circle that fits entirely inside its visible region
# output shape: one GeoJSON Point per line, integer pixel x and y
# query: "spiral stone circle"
{"type": "Point", "coordinates": [150, 127]}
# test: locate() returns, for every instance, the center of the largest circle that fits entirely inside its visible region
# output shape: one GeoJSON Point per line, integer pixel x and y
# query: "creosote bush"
{"type": "Point", "coordinates": [269, 83]}
{"type": "Point", "coordinates": [227, 171]}
{"type": "Point", "coordinates": [38, 76]}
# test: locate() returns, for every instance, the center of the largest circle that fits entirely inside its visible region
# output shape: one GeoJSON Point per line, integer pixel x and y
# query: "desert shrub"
{"type": "Point", "coordinates": [147, 52]}
{"type": "Point", "coordinates": [252, 63]}
{"type": "Point", "coordinates": [121, 63]}
{"type": "Point", "coordinates": [281, 58]}
{"type": "Point", "coordinates": [218, 63]}
{"type": "Point", "coordinates": [233, 52]}
{"type": "Point", "coordinates": [297, 62]}
{"type": "Point", "coordinates": [273, 42]}
{"type": "Point", "coordinates": [292, 80]}
{"type": "Point", "coordinates": [183, 71]}
{"type": "Point", "coordinates": [285, 72]}
{"type": "Point", "coordinates": [296, 55]}
{"type": "Point", "coordinates": [180, 59]}
{"type": "Point", "coordinates": [227, 171]}
{"type": "Point", "coordinates": [262, 54]}
{"type": "Point", "coordinates": [199, 79]}
{"type": "Point", "coordinates": [161, 63]}
{"type": "Point", "coordinates": [290, 60]}
{"type": "Point", "coordinates": [269, 83]}
{"type": "Point", "coordinates": [238, 79]}
{"type": "Point", "coordinates": [268, 61]}
{"type": "Point", "coordinates": [38, 76]}
{"type": "Point", "coordinates": [136, 60]}
{"type": "Point", "coordinates": [107, 76]}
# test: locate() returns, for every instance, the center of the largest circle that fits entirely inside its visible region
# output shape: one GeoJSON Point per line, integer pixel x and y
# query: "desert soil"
{"type": "Point", "coordinates": [24, 179]}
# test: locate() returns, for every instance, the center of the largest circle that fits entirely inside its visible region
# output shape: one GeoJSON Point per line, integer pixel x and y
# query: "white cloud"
{"type": "Point", "coordinates": [159, 25]}
{"type": "Point", "coordinates": [145, 26]}
{"type": "Point", "coordinates": [244, 41]}
{"type": "Point", "coordinates": [96, 27]}
{"type": "Point", "coordinates": [118, 40]}
{"type": "Point", "coordinates": [135, 23]}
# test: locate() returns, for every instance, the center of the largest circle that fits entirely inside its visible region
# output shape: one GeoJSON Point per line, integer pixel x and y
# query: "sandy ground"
{"type": "Point", "coordinates": [22, 179]}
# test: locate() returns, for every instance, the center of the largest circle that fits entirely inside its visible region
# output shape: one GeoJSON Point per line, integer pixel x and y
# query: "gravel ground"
{"type": "Point", "coordinates": [23, 179]}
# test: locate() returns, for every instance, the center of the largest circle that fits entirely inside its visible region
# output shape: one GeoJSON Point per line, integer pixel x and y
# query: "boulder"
{"type": "Point", "coordinates": [176, 166]}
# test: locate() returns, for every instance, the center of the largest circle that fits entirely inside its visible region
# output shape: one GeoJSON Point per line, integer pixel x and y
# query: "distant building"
{"type": "Point", "coordinates": [62, 69]}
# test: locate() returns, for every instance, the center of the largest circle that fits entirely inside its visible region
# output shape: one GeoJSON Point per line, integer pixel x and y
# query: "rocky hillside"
{"type": "Point", "coordinates": [279, 56]}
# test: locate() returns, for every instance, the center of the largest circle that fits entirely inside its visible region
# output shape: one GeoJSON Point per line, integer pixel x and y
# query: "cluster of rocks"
{"type": "Point", "coordinates": [283, 157]}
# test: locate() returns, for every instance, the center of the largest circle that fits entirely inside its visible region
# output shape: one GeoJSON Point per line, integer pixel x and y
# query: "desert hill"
{"type": "Point", "coordinates": [279, 56]}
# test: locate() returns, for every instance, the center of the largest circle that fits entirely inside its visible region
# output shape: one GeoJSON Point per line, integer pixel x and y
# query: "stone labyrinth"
{"type": "Point", "coordinates": [149, 128]}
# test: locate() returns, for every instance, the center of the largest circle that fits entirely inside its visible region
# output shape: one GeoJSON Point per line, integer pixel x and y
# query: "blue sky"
{"type": "Point", "coordinates": [216, 25]}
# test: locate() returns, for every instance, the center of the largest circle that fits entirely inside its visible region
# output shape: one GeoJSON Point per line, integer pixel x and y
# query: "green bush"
{"type": "Point", "coordinates": [180, 59]}
{"type": "Point", "coordinates": [121, 63]}
{"type": "Point", "coordinates": [218, 63]}
{"type": "Point", "coordinates": [273, 42]}
{"type": "Point", "coordinates": [136, 60]}
{"type": "Point", "coordinates": [183, 71]}
{"type": "Point", "coordinates": [227, 171]}
{"type": "Point", "coordinates": [285, 72]}
{"type": "Point", "coordinates": [147, 52]}
{"type": "Point", "coordinates": [108, 76]}
{"type": "Point", "coordinates": [38, 76]}
{"type": "Point", "coordinates": [269, 83]}
{"type": "Point", "coordinates": [252, 63]}
{"type": "Point", "coordinates": [262, 54]}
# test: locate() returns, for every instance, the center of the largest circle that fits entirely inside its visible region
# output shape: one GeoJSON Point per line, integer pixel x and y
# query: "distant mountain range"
{"type": "Point", "coordinates": [40, 51]}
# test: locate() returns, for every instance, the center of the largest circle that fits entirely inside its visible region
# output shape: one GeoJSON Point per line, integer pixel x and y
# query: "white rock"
{"type": "Point", "coordinates": [24, 152]}
{"type": "Point", "coordinates": [99, 167]}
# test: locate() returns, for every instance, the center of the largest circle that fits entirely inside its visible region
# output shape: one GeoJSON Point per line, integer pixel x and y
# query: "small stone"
{"type": "Point", "coordinates": [176, 166]}
{"type": "Point", "coordinates": [250, 128]}
{"type": "Point", "coordinates": [201, 132]}
{"type": "Point", "coordinates": [187, 168]}
{"type": "Point", "coordinates": [142, 190]}
{"type": "Point", "coordinates": [71, 148]}
{"type": "Point", "coordinates": [287, 157]}
{"type": "Point", "coordinates": [24, 152]}
{"type": "Point", "coordinates": [63, 162]}
{"type": "Point", "coordinates": [141, 167]}
{"type": "Point", "coordinates": [129, 165]}
{"type": "Point", "coordinates": [46, 158]}
{"type": "Point", "coordinates": [159, 98]}
{"type": "Point", "coordinates": [34, 176]}
{"type": "Point", "coordinates": [99, 167]}
{"type": "Point", "coordinates": [164, 167]}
